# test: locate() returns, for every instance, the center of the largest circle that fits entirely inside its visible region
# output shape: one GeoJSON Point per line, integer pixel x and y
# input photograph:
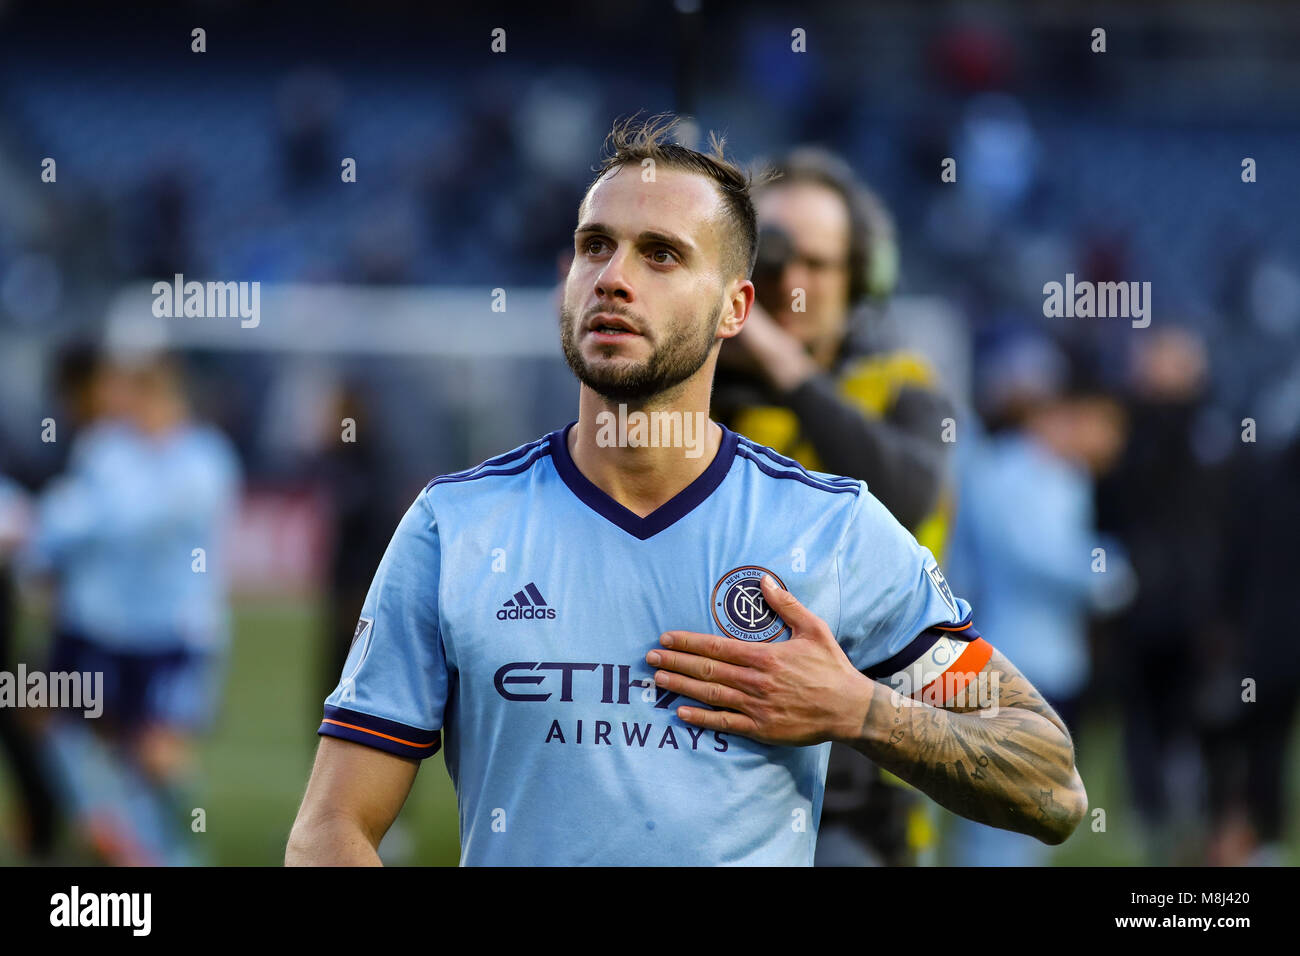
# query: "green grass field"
{"type": "Point", "coordinates": [257, 761]}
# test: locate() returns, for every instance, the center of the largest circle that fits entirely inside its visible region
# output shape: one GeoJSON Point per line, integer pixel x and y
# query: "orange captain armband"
{"type": "Point", "coordinates": [941, 664]}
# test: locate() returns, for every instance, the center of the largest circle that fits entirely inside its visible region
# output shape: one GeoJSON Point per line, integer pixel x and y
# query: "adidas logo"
{"type": "Point", "coordinates": [526, 605]}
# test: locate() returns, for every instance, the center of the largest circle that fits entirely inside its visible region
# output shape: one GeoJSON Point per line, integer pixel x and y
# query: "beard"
{"type": "Point", "coordinates": [668, 366]}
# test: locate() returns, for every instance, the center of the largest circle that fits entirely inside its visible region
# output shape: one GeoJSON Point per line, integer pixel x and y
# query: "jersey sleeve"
{"type": "Point", "coordinates": [900, 623]}
{"type": "Point", "coordinates": [394, 685]}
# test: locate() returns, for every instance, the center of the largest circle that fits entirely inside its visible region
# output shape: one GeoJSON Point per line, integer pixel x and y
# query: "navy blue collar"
{"type": "Point", "coordinates": [667, 514]}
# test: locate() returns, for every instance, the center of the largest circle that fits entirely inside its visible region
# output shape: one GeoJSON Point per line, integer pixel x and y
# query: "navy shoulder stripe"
{"type": "Point", "coordinates": [773, 456]}
{"type": "Point", "coordinates": [800, 474]}
{"type": "Point", "coordinates": [791, 463]}
{"type": "Point", "coordinates": [502, 459]}
{"type": "Point", "coordinates": [509, 464]}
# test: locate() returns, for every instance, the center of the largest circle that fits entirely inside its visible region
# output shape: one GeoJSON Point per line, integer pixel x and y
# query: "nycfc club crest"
{"type": "Point", "coordinates": [740, 610]}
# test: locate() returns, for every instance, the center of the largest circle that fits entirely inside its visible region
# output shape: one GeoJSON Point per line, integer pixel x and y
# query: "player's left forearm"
{"type": "Point", "coordinates": [1014, 770]}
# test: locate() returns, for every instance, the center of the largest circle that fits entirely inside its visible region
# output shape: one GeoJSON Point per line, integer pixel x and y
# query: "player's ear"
{"type": "Point", "coordinates": [740, 299]}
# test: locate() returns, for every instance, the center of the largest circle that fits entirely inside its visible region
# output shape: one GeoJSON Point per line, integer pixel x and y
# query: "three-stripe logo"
{"type": "Point", "coordinates": [526, 605]}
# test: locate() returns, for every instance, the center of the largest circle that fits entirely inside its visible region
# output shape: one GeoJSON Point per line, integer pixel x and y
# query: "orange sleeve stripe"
{"type": "Point", "coordinates": [408, 743]}
{"type": "Point", "coordinates": [940, 627]}
{"type": "Point", "coordinates": [964, 668]}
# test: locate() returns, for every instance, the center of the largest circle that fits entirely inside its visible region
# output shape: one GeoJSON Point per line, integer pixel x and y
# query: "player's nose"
{"type": "Point", "coordinates": [612, 280]}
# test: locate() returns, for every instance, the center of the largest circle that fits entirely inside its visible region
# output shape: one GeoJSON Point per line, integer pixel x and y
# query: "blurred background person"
{"type": "Point", "coordinates": [130, 536]}
{"type": "Point", "coordinates": [1168, 649]}
{"type": "Point", "coordinates": [39, 809]}
{"type": "Point", "coordinates": [812, 377]}
{"type": "Point", "coordinates": [350, 472]}
{"type": "Point", "coordinates": [1191, 518]}
{"type": "Point", "coordinates": [1026, 542]}
{"type": "Point", "coordinates": [1249, 750]}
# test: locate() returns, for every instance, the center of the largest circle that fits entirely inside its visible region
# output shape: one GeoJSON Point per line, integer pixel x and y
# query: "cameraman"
{"type": "Point", "coordinates": [808, 377]}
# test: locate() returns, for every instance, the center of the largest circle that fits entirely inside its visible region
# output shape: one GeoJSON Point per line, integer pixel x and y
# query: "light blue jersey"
{"type": "Point", "coordinates": [119, 531]}
{"type": "Point", "coordinates": [510, 618]}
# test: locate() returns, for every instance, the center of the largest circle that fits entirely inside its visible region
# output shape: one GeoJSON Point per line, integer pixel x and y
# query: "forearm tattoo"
{"type": "Point", "coordinates": [1014, 770]}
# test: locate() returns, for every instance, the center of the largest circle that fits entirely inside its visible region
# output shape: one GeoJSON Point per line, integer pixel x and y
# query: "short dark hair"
{"type": "Point", "coordinates": [873, 250]}
{"type": "Point", "coordinates": [632, 141]}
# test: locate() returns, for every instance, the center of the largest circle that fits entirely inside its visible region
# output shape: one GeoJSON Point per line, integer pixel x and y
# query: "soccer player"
{"type": "Point", "coordinates": [131, 536]}
{"type": "Point", "coordinates": [636, 649]}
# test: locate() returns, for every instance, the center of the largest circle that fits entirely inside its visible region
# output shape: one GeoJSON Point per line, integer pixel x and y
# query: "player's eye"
{"type": "Point", "coordinates": [663, 251]}
{"type": "Point", "coordinates": [594, 241]}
